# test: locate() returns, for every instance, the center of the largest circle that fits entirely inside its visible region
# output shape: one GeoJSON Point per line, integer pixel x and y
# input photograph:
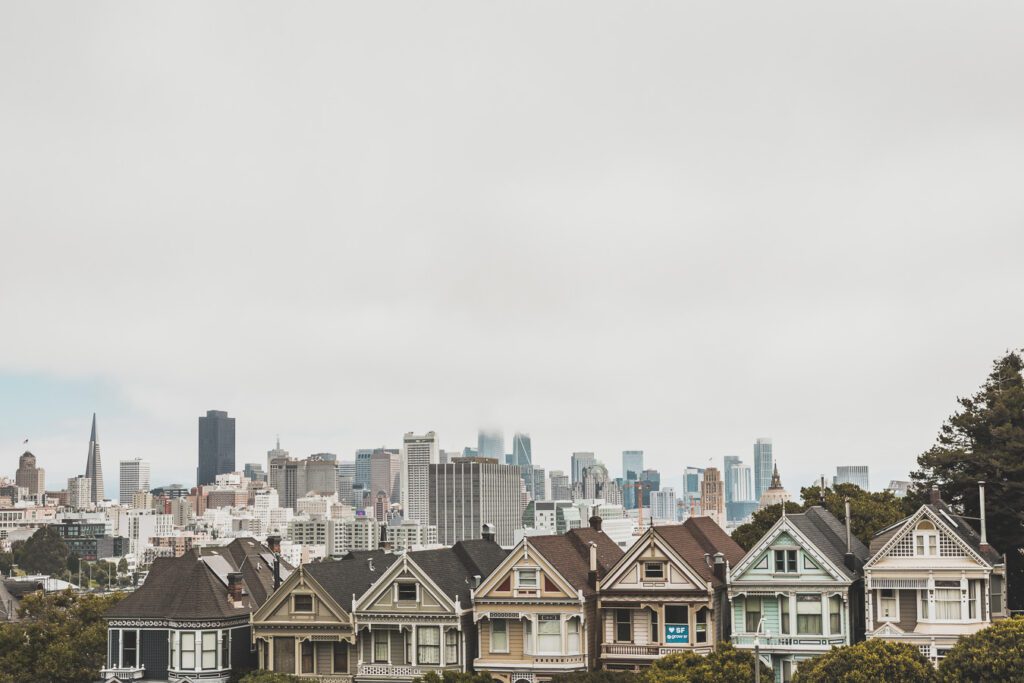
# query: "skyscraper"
{"type": "Point", "coordinates": [762, 466]}
{"type": "Point", "coordinates": [490, 443]}
{"type": "Point", "coordinates": [79, 492]}
{"type": "Point", "coordinates": [561, 489]}
{"type": "Point", "coordinates": [94, 466]}
{"type": "Point", "coordinates": [362, 476]}
{"type": "Point", "coordinates": [579, 462]}
{"type": "Point", "coordinates": [28, 475]}
{"type": "Point", "coordinates": [651, 481]}
{"type": "Point", "coordinates": [632, 461]}
{"type": "Point", "coordinates": [692, 478]}
{"type": "Point", "coordinates": [522, 452]}
{"type": "Point", "coordinates": [730, 460]}
{"type": "Point", "coordinates": [663, 504]}
{"type": "Point", "coordinates": [712, 500]}
{"type": "Point", "coordinates": [216, 446]}
{"type": "Point", "coordinates": [134, 478]}
{"type": "Point", "coordinates": [418, 454]}
{"type": "Point", "coordinates": [467, 493]}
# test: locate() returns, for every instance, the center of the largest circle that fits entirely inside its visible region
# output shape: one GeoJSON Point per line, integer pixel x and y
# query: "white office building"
{"type": "Point", "coordinates": [134, 478]}
{"type": "Point", "coordinates": [418, 454]}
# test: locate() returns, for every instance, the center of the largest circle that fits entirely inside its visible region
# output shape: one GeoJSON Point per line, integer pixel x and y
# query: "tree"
{"type": "Point", "coordinates": [45, 552]}
{"type": "Point", "coordinates": [599, 676]}
{"type": "Point", "coordinates": [868, 662]}
{"type": "Point", "coordinates": [747, 535]}
{"type": "Point", "coordinates": [454, 677]}
{"type": "Point", "coordinates": [870, 512]}
{"type": "Point", "coordinates": [984, 441]}
{"type": "Point", "coordinates": [725, 665]}
{"type": "Point", "coordinates": [61, 638]}
{"type": "Point", "coordinates": [267, 677]}
{"type": "Point", "coordinates": [122, 566]}
{"type": "Point", "coordinates": [991, 655]}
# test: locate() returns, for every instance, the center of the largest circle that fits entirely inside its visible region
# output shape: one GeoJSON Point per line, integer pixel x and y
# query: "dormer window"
{"type": "Point", "coordinates": [407, 592]}
{"type": "Point", "coordinates": [302, 603]}
{"type": "Point", "coordinates": [926, 539]}
{"type": "Point", "coordinates": [654, 571]}
{"type": "Point", "coordinates": [785, 562]}
{"type": "Point", "coordinates": [526, 578]}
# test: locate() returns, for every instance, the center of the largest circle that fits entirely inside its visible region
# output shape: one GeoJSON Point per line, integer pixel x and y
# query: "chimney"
{"type": "Point", "coordinates": [719, 567]}
{"type": "Point", "coordinates": [981, 506]}
{"type": "Point", "coordinates": [487, 532]}
{"type": "Point", "coordinates": [933, 496]}
{"type": "Point", "coordinates": [848, 559]}
{"type": "Point", "coordinates": [274, 543]}
{"type": "Point", "coordinates": [592, 574]}
{"type": "Point", "coordinates": [595, 523]}
{"type": "Point", "coordinates": [369, 562]}
{"type": "Point", "coordinates": [477, 579]}
{"type": "Point", "coordinates": [235, 586]}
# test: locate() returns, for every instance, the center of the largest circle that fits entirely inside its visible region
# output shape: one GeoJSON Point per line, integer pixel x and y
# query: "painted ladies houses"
{"type": "Point", "coordinates": [307, 628]}
{"type": "Point", "coordinates": [536, 614]}
{"type": "Point", "coordinates": [799, 591]}
{"type": "Point", "coordinates": [667, 594]}
{"type": "Point", "coordinates": [418, 616]}
{"type": "Point", "coordinates": [932, 578]}
{"type": "Point", "coordinates": [190, 620]}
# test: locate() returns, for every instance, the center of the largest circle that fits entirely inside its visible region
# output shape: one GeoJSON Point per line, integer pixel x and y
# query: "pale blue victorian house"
{"type": "Point", "coordinates": [799, 591]}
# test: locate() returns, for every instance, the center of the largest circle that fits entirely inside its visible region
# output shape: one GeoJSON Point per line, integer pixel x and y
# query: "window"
{"type": "Point", "coordinates": [996, 594]}
{"type": "Point", "coordinates": [549, 633]}
{"type": "Point", "coordinates": [753, 609]}
{"type": "Point", "coordinates": [306, 651]}
{"type": "Point", "coordinates": [302, 603]}
{"type": "Point", "coordinates": [209, 650]}
{"type": "Point", "coordinates": [702, 625]}
{"type": "Point", "coordinates": [526, 578]}
{"type": "Point", "coordinates": [926, 539]}
{"type": "Point", "coordinates": [677, 624]}
{"type": "Point", "coordinates": [785, 561]}
{"type": "Point", "coordinates": [572, 630]}
{"type": "Point", "coordinates": [340, 658]}
{"type": "Point", "coordinates": [947, 603]}
{"type": "Point", "coordinates": [623, 626]}
{"type": "Point", "coordinates": [407, 592]}
{"type": "Point", "coordinates": [188, 651]}
{"type": "Point", "coordinates": [528, 637]}
{"type": "Point", "coordinates": [808, 613]}
{"type": "Point", "coordinates": [835, 615]}
{"type": "Point", "coordinates": [225, 650]}
{"type": "Point", "coordinates": [888, 608]}
{"type": "Point", "coordinates": [129, 648]}
{"type": "Point", "coordinates": [784, 613]}
{"type": "Point", "coordinates": [499, 635]}
{"type": "Point", "coordinates": [451, 646]}
{"type": "Point", "coordinates": [381, 647]}
{"type": "Point", "coordinates": [973, 599]}
{"type": "Point", "coordinates": [655, 633]}
{"type": "Point", "coordinates": [428, 645]}
{"type": "Point", "coordinates": [654, 571]}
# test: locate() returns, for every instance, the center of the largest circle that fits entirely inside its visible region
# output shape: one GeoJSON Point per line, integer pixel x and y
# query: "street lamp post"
{"type": "Point", "coordinates": [757, 651]}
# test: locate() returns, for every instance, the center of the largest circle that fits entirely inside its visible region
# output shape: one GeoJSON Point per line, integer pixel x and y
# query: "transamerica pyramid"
{"type": "Point", "coordinates": [93, 466]}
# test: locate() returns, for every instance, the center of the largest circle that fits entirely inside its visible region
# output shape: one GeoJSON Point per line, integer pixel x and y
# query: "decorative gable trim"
{"type": "Point", "coordinates": [783, 525]}
{"type": "Point", "coordinates": [633, 556]}
{"type": "Point", "coordinates": [387, 580]}
{"type": "Point", "coordinates": [503, 572]}
{"type": "Point", "coordinates": [908, 528]}
{"type": "Point", "coordinates": [284, 593]}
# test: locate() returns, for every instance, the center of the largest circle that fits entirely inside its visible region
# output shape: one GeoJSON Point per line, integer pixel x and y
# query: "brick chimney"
{"type": "Point", "coordinates": [274, 543]}
{"type": "Point", "coordinates": [595, 523]}
{"type": "Point", "coordinates": [985, 547]}
{"type": "Point", "coordinates": [933, 496]}
{"type": "Point", "coordinates": [487, 532]}
{"type": "Point", "coordinates": [235, 586]}
{"type": "Point", "coordinates": [719, 567]}
{"type": "Point", "coordinates": [592, 574]}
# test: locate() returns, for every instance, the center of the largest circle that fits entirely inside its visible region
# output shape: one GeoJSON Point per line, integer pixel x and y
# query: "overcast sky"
{"type": "Point", "coordinates": [673, 226]}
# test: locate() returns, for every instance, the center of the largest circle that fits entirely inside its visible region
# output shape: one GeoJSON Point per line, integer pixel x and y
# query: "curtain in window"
{"type": "Point", "coordinates": [753, 614]}
{"type": "Point", "coordinates": [835, 607]}
{"type": "Point", "coordinates": [808, 614]}
{"type": "Point", "coordinates": [947, 603]}
{"type": "Point", "coordinates": [572, 628]}
{"type": "Point", "coordinates": [784, 613]}
{"type": "Point", "coordinates": [428, 641]}
{"type": "Point", "coordinates": [549, 633]}
{"type": "Point", "coordinates": [451, 646]}
{"type": "Point", "coordinates": [380, 647]}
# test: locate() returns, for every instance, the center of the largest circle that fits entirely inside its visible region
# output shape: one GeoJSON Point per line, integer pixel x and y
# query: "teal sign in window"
{"type": "Point", "coordinates": [677, 633]}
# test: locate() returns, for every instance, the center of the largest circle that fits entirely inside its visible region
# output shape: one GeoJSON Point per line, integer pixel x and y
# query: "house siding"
{"type": "Point", "coordinates": [908, 610]}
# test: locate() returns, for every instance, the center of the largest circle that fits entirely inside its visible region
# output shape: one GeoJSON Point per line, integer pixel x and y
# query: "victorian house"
{"type": "Point", "coordinates": [307, 627]}
{"type": "Point", "coordinates": [667, 594]}
{"type": "Point", "coordinates": [932, 578]}
{"type": "Point", "coordinates": [189, 621]}
{"type": "Point", "coordinates": [417, 617]}
{"type": "Point", "coordinates": [799, 592]}
{"type": "Point", "coordinates": [536, 613]}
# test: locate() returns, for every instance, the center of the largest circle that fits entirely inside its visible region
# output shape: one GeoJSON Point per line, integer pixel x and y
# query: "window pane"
{"type": "Point", "coordinates": [835, 604]}
{"type": "Point", "coordinates": [499, 635]}
{"type": "Point", "coordinates": [451, 646]}
{"type": "Point", "coordinates": [380, 646]}
{"type": "Point", "coordinates": [188, 651]}
{"type": "Point", "coordinates": [623, 625]}
{"type": "Point", "coordinates": [429, 645]}
{"type": "Point", "coordinates": [303, 603]}
{"type": "Point", "coordinates": [753, 614]}
{"type": "Point", "coordinates": [528, 578]}
{"type": "Point", "coordinates": [209, 649]}
{"type": "Point", "coordinates": [340, 658]}
{"type": "Point", "coordinates": [407, 591]}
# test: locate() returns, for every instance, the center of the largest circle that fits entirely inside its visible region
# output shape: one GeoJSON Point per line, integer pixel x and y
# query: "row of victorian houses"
{"type": "Point", "coordinates": [558, 604]}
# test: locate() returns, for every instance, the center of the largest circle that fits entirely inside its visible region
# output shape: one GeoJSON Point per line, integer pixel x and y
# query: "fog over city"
{"type": "Point", "coordinates": [686, 228]}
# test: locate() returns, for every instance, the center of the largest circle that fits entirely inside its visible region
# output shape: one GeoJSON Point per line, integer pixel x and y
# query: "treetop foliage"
{"type": "Point", "coordinates": [992, 655]}
{"type": "Point", "coordinates": [870, 661]}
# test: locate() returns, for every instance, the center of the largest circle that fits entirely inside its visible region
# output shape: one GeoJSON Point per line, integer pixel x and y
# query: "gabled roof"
{"type": "Point", "coordinates": [828, 534]}
{"type": "Point", "coordinates": [454, 569]}
{"type": "Point", "coordinates": [353, 574]}
{"type": "Point", "coordinates": [950, 522]}
{"type": "Point", "coordinates": [192, 586]}
{"type": "Point", "coordinates": [569, 554]}
{"type": "Point", "coordinates": [696, 537]}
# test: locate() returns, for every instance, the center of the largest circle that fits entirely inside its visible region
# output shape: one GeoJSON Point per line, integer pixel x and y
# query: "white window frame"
{"type": "Point", "coordinates": [312, 603]}
{"type": "Point", "coordinates": [504, 629]}
{"type": "Point", "coordinates": [572, 635]}
{"type": "Point", "coordinates": [927, 538]}
{"type": "Point", "coordinates": [373, 646]}
{"type": "Point", "coordinates": [182, 651]}
{"type": "Point", "coordinates": [785, 561]}
{"type": "Point", "coordinates": [398, 591]}
{"type": "Point", "coordinates": [662, 567]}
{"type": "Point", "coordinates": [527, 570]}
{"type": "Point", "coordinates": [896, 602]}
{"type": "Point", "coordinates": [203, 651]}
{"type": "Point", "coordinates": [547, 620]}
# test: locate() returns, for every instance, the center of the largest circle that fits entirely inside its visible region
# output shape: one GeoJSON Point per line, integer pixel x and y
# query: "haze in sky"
{"type": "Point", "coordinates": [670, 226]}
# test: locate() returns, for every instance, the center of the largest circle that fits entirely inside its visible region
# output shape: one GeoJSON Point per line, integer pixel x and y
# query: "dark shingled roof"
{"type": "Point", "coordinates": [187, 587]}
{"type": "Point", "coordinates": [570, 554]}
{"type": "Point", "coordinates": [351, 574]}
{"type": "Point", "coordinates": [960, 527]}
{"type": "Point", "coordinates": [453, 569]}
{"type": "Point", "coordinates": [828, 535]}
{"type": "Point", "coordinates": [696, 537]}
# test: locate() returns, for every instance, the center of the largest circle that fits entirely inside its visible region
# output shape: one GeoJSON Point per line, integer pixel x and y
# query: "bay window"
{"type": "Point", "coordinates": [888, 606]}
{"type": "Point", "coordinates": [451, 646]}
{"type": "Point", "coordinates": [209, 650]}
{"type": "Point", "coordinates": [528, 637]}
{"type": "Point", "coordinates": [677, 624]}
{"type": "Point", "coordinates": [947, 601]}
{"type": "Point", "coordinates": [225, 650]}
{"type": "Point", "coordinates": [784, 613]}
{"type": "Point", "coordinates": [188, 651]}
{"type": "Point", "coordinates": [655, 633]}
{"type": "Point", "coordinates": [572, 629]}
{"type": "Point", "coordinates": [549, 634]}
{"type": "Point", "coordinates": [428, 645]}
{"type": "Point", "coordinates": [808, 613]}
{"type": "Point", "coordinates": [129, 648]}
{"type": "Point", "coordinates": [499, 635]}
{"type": "Point", "coordinates": [835, 611]}
{"type": "Point", "coordinates": [702, 625]}
{"type": "Point", "coordinates": [753, 612]}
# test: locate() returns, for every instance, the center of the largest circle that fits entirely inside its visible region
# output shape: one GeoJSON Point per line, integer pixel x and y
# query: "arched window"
{"type": "Point", "coordinates": [926, 539]}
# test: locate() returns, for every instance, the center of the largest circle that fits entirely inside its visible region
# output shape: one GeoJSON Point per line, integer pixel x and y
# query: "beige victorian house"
{"type": "Point", "coordinates": [536, 613]}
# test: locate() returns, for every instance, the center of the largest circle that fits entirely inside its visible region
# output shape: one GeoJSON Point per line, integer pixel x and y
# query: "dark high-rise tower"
{"type": "Point", "coordinates": [216, 446]}
{"type": "Point", "coordinates": [94, 467]}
